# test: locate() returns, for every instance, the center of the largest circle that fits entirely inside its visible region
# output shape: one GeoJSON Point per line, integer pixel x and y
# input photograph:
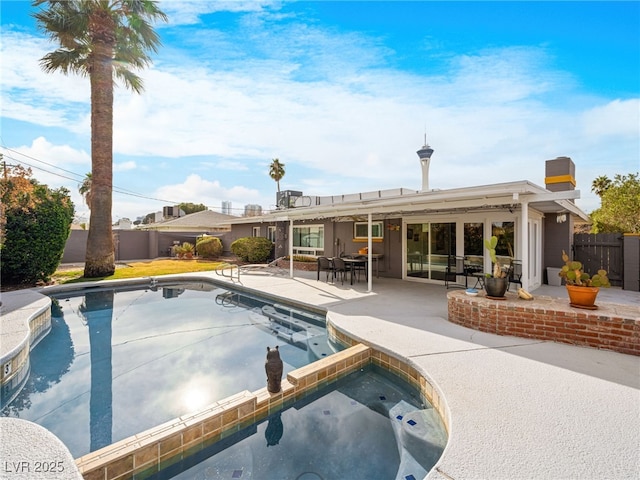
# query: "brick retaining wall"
{"type": "Point", "coordinates": [611, 327]}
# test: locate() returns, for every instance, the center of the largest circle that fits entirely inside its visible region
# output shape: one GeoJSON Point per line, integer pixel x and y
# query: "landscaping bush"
{"type": "Point", "coordinates": [209, 247]}
{"type": "Point", "coordinates": [185, 250]}
{"type": "Point", "coordinates": [303, 258]}
{"type": "Point", "coordinates": [36, 230]}
{"type": "Point", "coordinates": [253, 249]}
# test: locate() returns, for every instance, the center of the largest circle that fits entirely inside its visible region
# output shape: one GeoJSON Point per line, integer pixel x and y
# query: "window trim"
{"type": "Point", "coordinates": [297, 249]}
{"type": "Point", "coordinates": [272, 232]}
{"type": "Point", "coordinates": [379, 224]}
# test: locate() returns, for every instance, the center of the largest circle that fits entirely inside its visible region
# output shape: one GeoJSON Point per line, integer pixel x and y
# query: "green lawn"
{"type": "Point", "coordinates": [151, 268]}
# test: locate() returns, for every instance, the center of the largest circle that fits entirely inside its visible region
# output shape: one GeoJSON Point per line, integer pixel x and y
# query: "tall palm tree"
{"type": "Point", "coordinates": [276, 171]}
{"type": "Point", "coordinates": [101, 39]}
{"type": "Point", "coordinates": [601, 185]}
{"type": "Point", "coordinates": [85, 189]}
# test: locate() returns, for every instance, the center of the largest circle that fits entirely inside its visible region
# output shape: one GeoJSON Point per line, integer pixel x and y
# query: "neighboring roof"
{"type": "Point", "coordinates": [205, 220]}
{"type": "Point", "coordinates": [402, 201]}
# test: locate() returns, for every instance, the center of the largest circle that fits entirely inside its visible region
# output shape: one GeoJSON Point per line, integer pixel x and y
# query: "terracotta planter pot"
{"type": "Point", "coordinates": [582, 297]}
{"type": "Point", "coordinates": [495, 287]}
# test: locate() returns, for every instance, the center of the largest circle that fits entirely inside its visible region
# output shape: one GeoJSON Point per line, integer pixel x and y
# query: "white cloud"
{"type": "Point", "coordinates": [326, 103]}
{"type": "Point", "coordinates": [617, 118]}
{"type": "Point", "coordinates": [226, 165]}
{"type": "Point", "coordinates": [31, 95]}
{"type": "Point", "coordinates": [196, 189]}
{"type": "Point", "coordinates": [124, 166]}
{"type": "Point", "coordinates": [60, 155]}
{"type": "Point", "coordinates": [187, 12]}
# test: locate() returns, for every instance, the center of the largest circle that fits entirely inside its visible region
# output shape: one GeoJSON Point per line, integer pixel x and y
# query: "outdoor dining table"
{"type": "Point", "coordinates": [355, 262]}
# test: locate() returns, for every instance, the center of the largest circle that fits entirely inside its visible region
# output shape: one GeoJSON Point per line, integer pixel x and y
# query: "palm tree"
{"type": "Point", "coordinates": [601, 185]}
{"type": "Point", "coordinates": [276, 171]}
{"type": "Point", "coordinates": [100, 39]}
{"type": "Point", "coordinates": [85, 190]}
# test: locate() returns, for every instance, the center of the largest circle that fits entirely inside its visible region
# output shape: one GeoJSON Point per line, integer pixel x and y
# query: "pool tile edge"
{"type": "Point", "coordinates": [143, 453]}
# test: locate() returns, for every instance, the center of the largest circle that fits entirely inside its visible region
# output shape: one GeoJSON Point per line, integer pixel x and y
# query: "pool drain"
{"type": "Point", "coordinates": [309, 476]}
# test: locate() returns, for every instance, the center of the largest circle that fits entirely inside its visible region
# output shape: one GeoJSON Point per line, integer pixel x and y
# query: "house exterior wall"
{"type": "Point", "coordinates": [339, 239]}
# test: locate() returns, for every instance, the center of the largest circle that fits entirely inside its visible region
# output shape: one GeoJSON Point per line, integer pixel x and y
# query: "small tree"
{"type": "Point", "coordinates": [38, 222]}
{"type": "Point", "coordinates": [619, 210]}
{"type": "Point", "coordinates": [189, 207]}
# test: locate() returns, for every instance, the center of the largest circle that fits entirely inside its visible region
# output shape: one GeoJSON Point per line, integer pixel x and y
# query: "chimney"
{"type": "Point", "coordinates": [425, 157]}
{"type": "Point", "coordinates": [560, 174]}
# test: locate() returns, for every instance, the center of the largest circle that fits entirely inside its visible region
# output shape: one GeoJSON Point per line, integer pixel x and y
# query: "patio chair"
{"type": "Point", "coordinates": [515, 273]}
{"type": "Point", "coordinates": [361, 267]}
{"type": "Point", "coordinates": [455, 268]}
{"type": "Point", "coordinates": [340, 268]}
{"type": "Point", "coordinates": [325, 265]}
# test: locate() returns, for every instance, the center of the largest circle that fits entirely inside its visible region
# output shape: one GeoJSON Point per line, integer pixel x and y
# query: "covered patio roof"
{"type": "Point", "coordinates": [399, 202]}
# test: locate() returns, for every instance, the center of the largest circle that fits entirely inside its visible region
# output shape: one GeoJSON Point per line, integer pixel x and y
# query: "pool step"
{"type": "Point", "coordinates": [419, 437]}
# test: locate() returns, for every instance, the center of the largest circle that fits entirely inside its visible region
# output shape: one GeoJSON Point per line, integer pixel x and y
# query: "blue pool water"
{"type": "Point", "coordinates": [368, 426]}
{"type": "Point", "coordinates": [118, 362]}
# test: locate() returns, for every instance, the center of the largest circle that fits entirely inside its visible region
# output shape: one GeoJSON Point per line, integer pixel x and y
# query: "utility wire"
{"type": "Point", "coordinates": [80, 178]}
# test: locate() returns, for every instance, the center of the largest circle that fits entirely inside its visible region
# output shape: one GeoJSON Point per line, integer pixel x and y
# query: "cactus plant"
{"type": "Point", "coordinates": [573, 274]}
{"type": "Point", "coordinates": [490, 245]}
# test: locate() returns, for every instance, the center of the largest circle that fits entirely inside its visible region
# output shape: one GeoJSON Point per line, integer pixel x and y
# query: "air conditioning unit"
{"type": "Point", "coordinates": [287, 198]}
{"type": "Point", "coordinates": [170, 212]}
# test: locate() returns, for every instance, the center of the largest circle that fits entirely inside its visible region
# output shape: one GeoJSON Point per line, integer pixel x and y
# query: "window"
{"type": "Point", "coordinates": [506, 239]}
{"type": "Point", "coordinates": [308, 240]}
{"type": "Point", "coordinates": [255, 232]}
{"type": "Point", "coordinates": [271, 233]}
{"type": "Point", "coordinates": [360, 230]}
{"type": "Point", "coordinates": [474, 245]}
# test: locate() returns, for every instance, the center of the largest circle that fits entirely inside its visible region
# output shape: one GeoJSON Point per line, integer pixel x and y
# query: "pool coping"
{"type": "Point", "coordinates": [154, 449]}
{"type": "Point", "coordinates": [157, 448]}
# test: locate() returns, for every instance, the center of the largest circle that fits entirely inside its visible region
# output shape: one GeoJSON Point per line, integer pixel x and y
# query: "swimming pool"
{"type": "Point", "coordinates": [368, 425]}
{"type": "Point", "coordinates": [120, 361]}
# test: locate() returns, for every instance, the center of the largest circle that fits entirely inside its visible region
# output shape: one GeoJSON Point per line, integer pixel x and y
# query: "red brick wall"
{"type": "Point", "coordinates": [611, 327]}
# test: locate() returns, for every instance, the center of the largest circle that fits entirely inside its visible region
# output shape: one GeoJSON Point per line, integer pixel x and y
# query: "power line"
{"type": "Point", "coordinates": [80, 178]}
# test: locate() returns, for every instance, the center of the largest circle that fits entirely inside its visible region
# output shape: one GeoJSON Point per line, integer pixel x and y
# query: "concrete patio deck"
{"type": "Point", "coordinates": [519, 408]}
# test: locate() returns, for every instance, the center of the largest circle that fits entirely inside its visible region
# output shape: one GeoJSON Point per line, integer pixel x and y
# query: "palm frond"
{"type": "Point", "coordinates": [66, 61]}
{"type": "Point", "coordinates": [130, 79]}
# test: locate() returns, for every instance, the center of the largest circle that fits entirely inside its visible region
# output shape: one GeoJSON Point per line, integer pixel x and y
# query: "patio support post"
{"type": "Point", "coordinates": [369, 254]}
{"type": "Point", "coordinates": [523, 235]}
{"type": "Point", "coordinates": [290, 248]}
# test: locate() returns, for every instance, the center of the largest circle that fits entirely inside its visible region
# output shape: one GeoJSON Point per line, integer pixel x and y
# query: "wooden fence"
{"type": "Point", "coordinates": [601, 250]}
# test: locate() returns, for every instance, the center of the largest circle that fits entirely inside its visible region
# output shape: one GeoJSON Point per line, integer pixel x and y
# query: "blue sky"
{"type": "Point", "coordinates": [342, 93]}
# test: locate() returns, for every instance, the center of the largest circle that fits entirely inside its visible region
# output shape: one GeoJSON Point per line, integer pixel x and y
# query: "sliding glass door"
{"type": "Point", "coordinates": [427, 247]}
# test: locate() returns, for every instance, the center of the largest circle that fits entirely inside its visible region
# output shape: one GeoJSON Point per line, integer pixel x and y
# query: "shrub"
{"type": "Point", "coordinates": [209, 247]}
{"type": "Point", "coordinates": [185, 250]}
{"type": "Point", "coordinates": [253, 249]}
{"type": "Point", "coordinates": [36, 232]}
{"type": "Point", "coordinates": [303, 258]}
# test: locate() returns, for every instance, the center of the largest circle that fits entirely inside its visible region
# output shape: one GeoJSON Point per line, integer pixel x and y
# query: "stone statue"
{"type": "Point", "coordinates": [273, 367]}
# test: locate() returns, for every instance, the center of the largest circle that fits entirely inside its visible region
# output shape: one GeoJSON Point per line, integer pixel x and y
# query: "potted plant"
{"type": "Point", "coordinates": [582, 287]}
{"type": "Point", "coordinates": [495, 284]}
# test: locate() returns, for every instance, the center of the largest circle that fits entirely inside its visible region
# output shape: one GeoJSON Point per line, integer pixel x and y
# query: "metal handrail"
{"type": "Point", "coordinates": [228, 266]}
